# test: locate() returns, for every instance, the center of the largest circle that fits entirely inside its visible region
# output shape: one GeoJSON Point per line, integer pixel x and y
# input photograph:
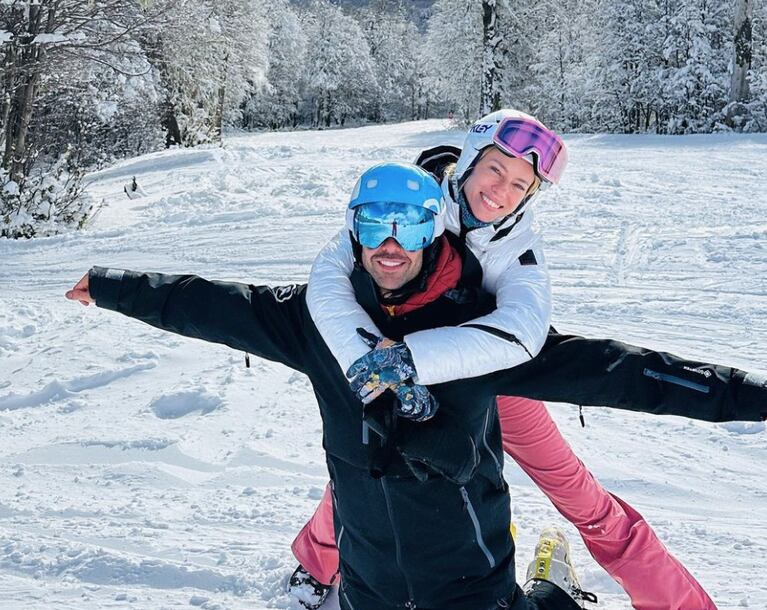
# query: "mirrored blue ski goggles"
{"type": "Point", "coordinates": [411, 226]}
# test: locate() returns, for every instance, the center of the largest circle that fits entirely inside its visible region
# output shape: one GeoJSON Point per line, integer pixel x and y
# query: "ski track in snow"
{"type": "Point", "coordinates": [144, 470]}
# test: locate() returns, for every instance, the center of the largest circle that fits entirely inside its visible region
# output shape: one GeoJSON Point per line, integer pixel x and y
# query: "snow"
{"type": "Point", "coordinates": [142, 469]}
{"type": "Point", "coordinates": [11, 188]}
{"type": "Point", "coordinates": [51, 39]}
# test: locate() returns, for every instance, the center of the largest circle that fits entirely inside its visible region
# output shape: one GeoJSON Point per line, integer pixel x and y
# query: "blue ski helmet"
{"type": "Point", "coordinates": [398, 200]}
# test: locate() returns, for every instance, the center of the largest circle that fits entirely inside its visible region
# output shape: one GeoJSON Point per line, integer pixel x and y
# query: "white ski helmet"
{"type": "Point", "coordinates": [481, 136]}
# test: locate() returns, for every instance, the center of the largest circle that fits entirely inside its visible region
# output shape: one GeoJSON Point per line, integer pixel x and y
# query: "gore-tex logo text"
{"type": "Point", "coordinates": [705, 373]}
{"type": "Point", "coordinates": [481, 128]}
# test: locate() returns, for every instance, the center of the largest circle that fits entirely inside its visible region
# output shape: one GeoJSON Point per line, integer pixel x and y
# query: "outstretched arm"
{"type": "Point", "coordinates": [609, 373]}
{"type": "Point", "coordinates": [267, 322]}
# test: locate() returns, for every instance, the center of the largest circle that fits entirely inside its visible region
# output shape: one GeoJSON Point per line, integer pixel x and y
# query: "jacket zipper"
{"type": "Point", "coordinates": [410, 604]}
{"type": "Point", "coordinates": [477, 529]}
{"type": "Point", "coordinates": [335, 507]}
{"type": "Point", "coordinates": [676, 380]}
{"type": "Point", "coordinates": [498, 466]}
{"type": "Point", "coordinates": [500, 334]}
{"type": "Point", "coordinates": [346, 597]}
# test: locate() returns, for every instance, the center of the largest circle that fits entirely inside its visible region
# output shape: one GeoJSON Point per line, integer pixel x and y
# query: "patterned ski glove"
{"type": "Point", "coordinates": [385, 366]}
{"type": "Point", "coordinates": [415, 401]}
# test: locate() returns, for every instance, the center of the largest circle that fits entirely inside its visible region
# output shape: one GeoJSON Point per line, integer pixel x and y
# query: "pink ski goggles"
{"type": "Point", "coordinates": [520, 137]}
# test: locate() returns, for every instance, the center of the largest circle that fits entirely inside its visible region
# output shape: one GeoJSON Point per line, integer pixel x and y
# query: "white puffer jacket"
{"type": "Point", "coordinates": [513, 269]}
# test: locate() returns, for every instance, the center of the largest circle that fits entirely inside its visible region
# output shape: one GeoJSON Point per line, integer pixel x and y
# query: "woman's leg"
{"type": "Point", "coordinates": [315, 545]}
{"type": "Point", "coordinates": [617, 536]}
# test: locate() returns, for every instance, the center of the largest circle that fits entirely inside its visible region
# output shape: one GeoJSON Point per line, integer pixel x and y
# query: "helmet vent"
{"type": "Point", "coordinates": [372, 183]}
{"type": "Point", "coordinates": [413, 185]}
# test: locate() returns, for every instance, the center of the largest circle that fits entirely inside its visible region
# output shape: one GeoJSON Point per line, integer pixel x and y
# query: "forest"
{"type": "Point", "coordinates": [88, 82]}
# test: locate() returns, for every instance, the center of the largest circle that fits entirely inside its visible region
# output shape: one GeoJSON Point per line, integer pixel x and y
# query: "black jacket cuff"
{"type": "Point", "coordinates": [752, 397]}
{"type": "Point", "coordinates": [104, 286]}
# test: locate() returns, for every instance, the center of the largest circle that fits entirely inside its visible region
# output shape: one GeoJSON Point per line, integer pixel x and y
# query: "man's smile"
{"type": "Point", "coordinates": [390, 263]}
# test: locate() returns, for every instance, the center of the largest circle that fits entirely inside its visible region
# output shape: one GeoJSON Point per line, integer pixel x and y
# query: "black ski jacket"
{"type": "Point", "coordinates": [422, 510]}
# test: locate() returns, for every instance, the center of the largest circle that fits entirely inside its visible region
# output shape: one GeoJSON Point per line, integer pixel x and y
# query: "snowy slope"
{"type": "Point", "coordinates": [139, 469]}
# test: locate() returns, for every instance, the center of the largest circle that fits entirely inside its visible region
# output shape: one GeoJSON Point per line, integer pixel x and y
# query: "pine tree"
{"type": "Point", "coordinates": [454, 52]}
{"type": "Point", "coordinates": [697, 84]}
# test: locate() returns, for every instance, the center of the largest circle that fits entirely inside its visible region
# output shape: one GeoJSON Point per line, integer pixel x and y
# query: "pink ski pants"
{"type": "Point", "coordinates": [617, 536]}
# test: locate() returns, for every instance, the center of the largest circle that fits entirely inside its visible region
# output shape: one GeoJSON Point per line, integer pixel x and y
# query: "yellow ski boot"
{"type": "Point", "coordinates": [552, 564]}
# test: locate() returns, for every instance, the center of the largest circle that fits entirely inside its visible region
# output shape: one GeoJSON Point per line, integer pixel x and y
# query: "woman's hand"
{"type": "Point", "coordinates": [389, 366]}
{"type": "Point", "coordinates": [385, 366]}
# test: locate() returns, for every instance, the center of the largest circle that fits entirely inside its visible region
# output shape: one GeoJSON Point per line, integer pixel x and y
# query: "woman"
{"type": "Point", "coordinates": [507, 160]}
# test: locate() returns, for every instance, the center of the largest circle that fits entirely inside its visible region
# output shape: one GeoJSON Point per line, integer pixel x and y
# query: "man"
{"type": "Point", "coordinates": [419, 479]}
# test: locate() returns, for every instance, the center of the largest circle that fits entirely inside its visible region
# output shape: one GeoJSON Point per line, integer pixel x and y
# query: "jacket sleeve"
{"type": "Point", "coordinates": [264, 321]}
{"type": "Point", "coordinates": [333, 305]}
{"type": "Point", "coordinates": [612, 374]}
{"type": "Point", "coordinates": [511, 335]}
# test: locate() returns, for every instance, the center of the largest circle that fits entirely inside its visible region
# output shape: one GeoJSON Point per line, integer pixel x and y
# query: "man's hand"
{"type": "Point", "coordinates": [81, 292]}
{"type": "Point", "coordinates": [386, 366]}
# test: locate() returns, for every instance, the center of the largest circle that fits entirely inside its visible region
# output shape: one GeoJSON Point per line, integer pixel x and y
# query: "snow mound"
{"type": "Point", "coordinates": [102, 566]}
{"type": "Point", "coordinates": [180, 404]}
{"type": "Point", "coordinates": [743, 427]}
{"type": "Point", "coordinates": [60, 390]}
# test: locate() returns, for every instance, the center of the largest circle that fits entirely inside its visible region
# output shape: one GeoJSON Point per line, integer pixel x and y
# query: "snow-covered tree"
{"type": "Point", "coordinates": [339, 77]}
{"type": "Point", "coordinates": [105, 112]}
{"type": "Point", "coordinates": [210, 55]}
{"type": "Point", "coordinates": [554, 62]}
{"type": "Point", "coordinates": [275, 104]}
{"type": "Point", "coordinates": [481, 52]}
{"type": "Point", "coordinates": [755, 115]}
{"type": "Point", "coordinates": [49, 50]}
{"type": "Point", "coordinates": [742, 50]}
{"type": "Point", "coordinates": [627, 95]}
{"type": "Point", "coordinates": [397, 55]}
{"type": "Point", "coordinates": [46, 37]}
{"type": "Point", "coordinates": [742, 55]}
{"type": "Point", "coordinates": [697, 86]}
{"type": "Point", "coordinates": [495, 26]}
{"type": "Point", "coordinates": [454, 54]}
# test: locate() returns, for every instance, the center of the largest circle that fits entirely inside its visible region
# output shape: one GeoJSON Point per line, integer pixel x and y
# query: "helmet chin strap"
{"type": "Point", "coordinates": [520, 208]}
